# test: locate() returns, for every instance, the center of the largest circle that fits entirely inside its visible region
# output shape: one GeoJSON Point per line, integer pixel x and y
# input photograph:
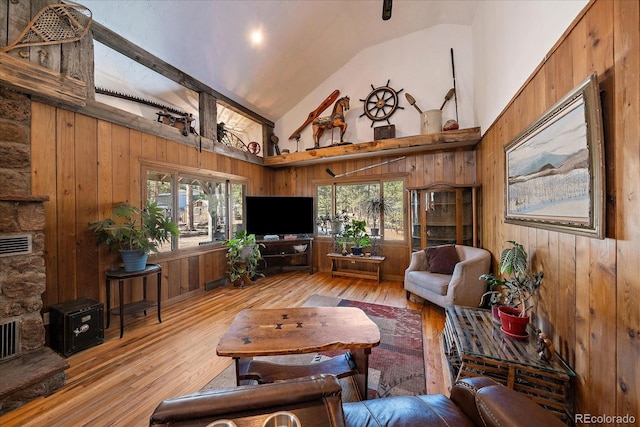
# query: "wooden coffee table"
{"type": "Point", "coordinates": [283, 331]}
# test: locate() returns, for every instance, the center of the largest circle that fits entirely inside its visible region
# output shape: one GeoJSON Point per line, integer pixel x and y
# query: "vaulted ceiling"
{"type": "Point", "coordinates": [304, 43]}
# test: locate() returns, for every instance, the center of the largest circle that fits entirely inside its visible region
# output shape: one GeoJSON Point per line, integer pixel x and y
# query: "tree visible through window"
{"type": "Point", "coordinates": [200, 206]}
{"type": "Point", "coordinates": [379, 203]}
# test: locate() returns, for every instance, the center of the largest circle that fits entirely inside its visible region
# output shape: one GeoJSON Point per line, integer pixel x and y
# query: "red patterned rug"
{"type": "Point", "coordinates": [396, 366]}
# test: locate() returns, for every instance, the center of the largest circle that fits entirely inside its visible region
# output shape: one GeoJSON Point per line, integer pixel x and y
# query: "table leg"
{"type": "Point", "coordinates": [159, 294]}
{"type": "Point", "coordinates": [121, 300]}
{"type": "Point", "coordinates": [361, 358]}
{"type": "Point", "coordinates": [108, 303]}
{"type": "Point", "coordinates": [144, 292]}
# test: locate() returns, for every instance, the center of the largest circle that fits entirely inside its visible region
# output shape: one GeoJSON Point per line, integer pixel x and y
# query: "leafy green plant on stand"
{"type": "Point", "coordinates": [355, 233]}
{"type": "Point", "coordinates": [135, 229]}
{"type": "Point", "coordinates": [519, 286]}
{"type": "Point", "coordinates": [243, 255]}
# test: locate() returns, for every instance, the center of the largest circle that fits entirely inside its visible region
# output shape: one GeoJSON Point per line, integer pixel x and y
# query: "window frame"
{"type": "Point", "coordinates": [379, 179]}
{"type": "Point", "coordinates": [189, 172]}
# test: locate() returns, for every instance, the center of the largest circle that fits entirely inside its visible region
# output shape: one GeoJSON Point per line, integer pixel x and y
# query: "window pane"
{"type": "Point", "coordinates": [393, 218]}
{"type": "Point", "coordinates": [237, 208]}
{"type": "Point", "coordinates": [160, 190]}
{"type": "Point", "coordinates": [353, 199]}
{"type": "Point", "coordinates": [324, 210]}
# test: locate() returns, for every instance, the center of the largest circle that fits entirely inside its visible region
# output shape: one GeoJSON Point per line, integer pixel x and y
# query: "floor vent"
{"type": "Point", "coordinates": [9, 340]}
{"type": "Point", "coordinates": [15, 245]}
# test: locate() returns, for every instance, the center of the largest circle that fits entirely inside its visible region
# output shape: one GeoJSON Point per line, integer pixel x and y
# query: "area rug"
{"type": "Point", "coordinates": [396, 366]}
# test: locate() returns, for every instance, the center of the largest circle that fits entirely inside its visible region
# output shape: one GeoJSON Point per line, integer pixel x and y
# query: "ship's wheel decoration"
{"type": "Point", "coordinates": [381, 103]}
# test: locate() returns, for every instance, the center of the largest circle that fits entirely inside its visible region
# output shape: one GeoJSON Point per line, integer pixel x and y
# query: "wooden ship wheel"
{"type": "Point", "coordinates": [381, 103]}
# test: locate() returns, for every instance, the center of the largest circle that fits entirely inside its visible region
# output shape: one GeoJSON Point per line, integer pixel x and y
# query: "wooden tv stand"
{"type": "Point", "coordinates": [280, 254]}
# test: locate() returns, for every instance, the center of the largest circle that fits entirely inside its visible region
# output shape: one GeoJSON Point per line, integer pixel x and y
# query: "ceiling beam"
{"type": "Point", "coordinates": [118, 43]}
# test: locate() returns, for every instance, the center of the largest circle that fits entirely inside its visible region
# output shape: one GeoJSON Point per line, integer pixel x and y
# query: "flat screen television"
{"type": "Point", "coordinates": [279, 215]}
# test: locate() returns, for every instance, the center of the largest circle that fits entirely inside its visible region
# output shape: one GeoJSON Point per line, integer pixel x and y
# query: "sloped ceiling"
{"type": "Point", "coordinates": [304, 42]}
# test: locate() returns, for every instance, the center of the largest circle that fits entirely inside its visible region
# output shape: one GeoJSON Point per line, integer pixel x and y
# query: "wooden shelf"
{"type": "Point", "coordinates": [440, 141]}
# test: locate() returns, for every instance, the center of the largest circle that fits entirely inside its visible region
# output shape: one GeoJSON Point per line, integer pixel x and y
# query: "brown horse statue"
{"type": "Point", "coordinates": [335, 120]}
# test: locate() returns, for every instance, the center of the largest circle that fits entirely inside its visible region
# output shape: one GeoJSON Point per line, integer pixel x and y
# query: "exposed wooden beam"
{"type": "Point", "coordinates": [118, 43]}
{"type": "Point", "coordinates": [41, 82]}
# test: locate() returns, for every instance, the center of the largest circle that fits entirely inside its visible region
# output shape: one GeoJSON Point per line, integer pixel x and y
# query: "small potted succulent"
{"type": "Point", "coordinates": [135, 232]}
{"type": "Point", "coordinates": [514, 293]}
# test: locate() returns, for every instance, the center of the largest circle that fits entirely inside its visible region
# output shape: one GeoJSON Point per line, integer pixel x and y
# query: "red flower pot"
{"type": "Point", "coordinates": [513, 324]}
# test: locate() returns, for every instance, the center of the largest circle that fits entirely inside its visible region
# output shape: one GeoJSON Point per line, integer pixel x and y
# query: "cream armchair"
{"type": "Point", "coordinates": [460, 288]}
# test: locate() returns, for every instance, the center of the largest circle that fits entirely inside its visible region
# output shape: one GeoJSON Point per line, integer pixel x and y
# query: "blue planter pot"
{"type": "Point", "coordinates": [133, 260]}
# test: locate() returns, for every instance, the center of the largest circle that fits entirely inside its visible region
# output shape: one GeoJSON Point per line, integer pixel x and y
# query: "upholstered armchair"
{"type": "Point", "coordinates": [448, 275]}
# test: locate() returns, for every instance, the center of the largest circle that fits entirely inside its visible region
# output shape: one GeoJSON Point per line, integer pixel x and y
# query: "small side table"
{"type": "Point", "coordinates": [121, 275]}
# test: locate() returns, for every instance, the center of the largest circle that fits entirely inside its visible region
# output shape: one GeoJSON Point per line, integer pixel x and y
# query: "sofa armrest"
{"type": "Point", "coordinates": [491, 404]}
{"type": "Point", "coordinates": [322, 392]}
{"type": "Point", "coordinates": [463, 394]}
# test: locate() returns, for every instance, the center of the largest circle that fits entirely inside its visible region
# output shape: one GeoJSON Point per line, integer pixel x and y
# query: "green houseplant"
{"type": "Point", "coordinates": [135, 232]}
{"type": "Point", "coordinates": [514, 290]}
{"type": "Point", "coordinates": [243, 254]}
{"type": "Point", "coordinates": [374, 208]}
{"type": "Point", "coordinates": [355, 233]}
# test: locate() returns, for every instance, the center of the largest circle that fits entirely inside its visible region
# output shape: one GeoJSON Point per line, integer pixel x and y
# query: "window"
{"type": "Point", "coordinates": [200, 204]}
{"type": "Point", "coordinates": [379, 203]}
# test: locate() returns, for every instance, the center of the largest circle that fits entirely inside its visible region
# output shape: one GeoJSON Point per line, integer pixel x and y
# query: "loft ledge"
{"type": "Point", "coordinates": [439, 141]}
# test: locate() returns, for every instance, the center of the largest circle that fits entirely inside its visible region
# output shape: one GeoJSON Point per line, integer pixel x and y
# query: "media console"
{"type": "Point", "coordinates": [281, 254]}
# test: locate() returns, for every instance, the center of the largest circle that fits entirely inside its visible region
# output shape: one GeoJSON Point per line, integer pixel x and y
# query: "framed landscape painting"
{"type": "Point", "coordinates": [555, 167]}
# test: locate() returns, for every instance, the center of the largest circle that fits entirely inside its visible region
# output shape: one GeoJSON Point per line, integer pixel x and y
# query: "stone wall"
{"type": "Point", "coordinates": [15, 126]}
{"type": "Point", "coordinates": [22, 277]}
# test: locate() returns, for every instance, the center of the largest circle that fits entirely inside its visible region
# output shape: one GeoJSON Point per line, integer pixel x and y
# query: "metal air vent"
{"type": "Point", "coordinates": [9, 340]}
{"type": "Point", "coordinates": [11, 245]}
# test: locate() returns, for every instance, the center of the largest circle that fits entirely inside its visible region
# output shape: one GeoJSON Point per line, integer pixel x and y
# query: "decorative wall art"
{"type": "Point", "coordinates": [555, 167]}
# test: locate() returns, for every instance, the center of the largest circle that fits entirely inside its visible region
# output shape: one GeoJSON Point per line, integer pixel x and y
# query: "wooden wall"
{"type": "Point", "coordinates": [86, 165]}
{"type": "Point", "coordinates": [420, 169]}
{"type": "Point", "coordinates": [590, 299]}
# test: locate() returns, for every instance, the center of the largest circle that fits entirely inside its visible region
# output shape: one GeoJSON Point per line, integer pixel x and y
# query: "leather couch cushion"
{"type": "Point", "coordinates": [432, 282]}
{"type": "Point", "coordinates": [406, 411]}
{"type": "Point", "coordinates": [442, 259]}
{"type": "Point", "coordinates": [499, 406]}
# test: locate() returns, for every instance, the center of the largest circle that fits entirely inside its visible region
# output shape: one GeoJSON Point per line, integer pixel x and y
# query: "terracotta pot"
{"type": "Point", "coordinates": [495, 313]}
{"type": "Point", "coordinates": [512, 323]}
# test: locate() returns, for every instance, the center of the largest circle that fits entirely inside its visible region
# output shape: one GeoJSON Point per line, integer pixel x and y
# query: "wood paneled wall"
{"type": "Point", "coordinates": [87, 165]}
{"type": "Point", "coordinates": [420, 169]}
{"type": "Point", "coordinates": [590, 297]}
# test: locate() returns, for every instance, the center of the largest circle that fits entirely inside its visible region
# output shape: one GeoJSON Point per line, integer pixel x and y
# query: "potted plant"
{"type": "Point", "coordinates": [355, 233]}
{"type": "Point", "coordinates": [515, 291]}
{"type": "Point", "coordinates": [374, 208]}
{"type": "Point", "coordinates": [243, 254]}
{"type": "Point", "coordinates": [135, 232]}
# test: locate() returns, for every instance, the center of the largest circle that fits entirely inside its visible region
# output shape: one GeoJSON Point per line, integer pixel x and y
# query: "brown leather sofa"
{"type": "Point", "coordinates": [316, 402]}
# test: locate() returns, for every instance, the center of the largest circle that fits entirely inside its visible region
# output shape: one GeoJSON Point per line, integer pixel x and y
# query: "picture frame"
{"type": "Point", "coordinates": [555, 171]}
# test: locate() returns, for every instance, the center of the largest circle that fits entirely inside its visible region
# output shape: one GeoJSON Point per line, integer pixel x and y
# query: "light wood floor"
{"type": "Point", "coordinates": [120, 382]}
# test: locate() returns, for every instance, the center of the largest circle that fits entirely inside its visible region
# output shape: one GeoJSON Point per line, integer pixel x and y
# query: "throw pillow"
{"type": "Point", "coordinates": [442, 259]}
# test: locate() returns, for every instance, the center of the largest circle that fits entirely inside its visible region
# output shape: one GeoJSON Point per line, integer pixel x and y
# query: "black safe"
{"type": "Point", "coordinates": [76, 325]}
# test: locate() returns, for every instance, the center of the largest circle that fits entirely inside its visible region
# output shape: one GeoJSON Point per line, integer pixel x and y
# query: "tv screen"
{"type": "Point", "coordinates": [279, 215]}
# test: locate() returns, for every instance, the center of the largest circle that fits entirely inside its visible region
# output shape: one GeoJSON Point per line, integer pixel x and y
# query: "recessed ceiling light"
{"type": "Point", "coordinates": [256, 38]}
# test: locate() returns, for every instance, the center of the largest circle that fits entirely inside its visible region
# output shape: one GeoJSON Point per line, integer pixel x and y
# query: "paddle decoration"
{"type": "Point", "coordinates": [315, 113]}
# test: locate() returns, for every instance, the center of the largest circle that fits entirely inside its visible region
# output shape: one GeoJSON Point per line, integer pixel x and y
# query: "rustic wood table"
{"type": "Point", "coordinates": [474, 345]}
{"type": "Point", "coordinates": [283, 331]}
{"type": "Point", "coordinates": [337, 259]}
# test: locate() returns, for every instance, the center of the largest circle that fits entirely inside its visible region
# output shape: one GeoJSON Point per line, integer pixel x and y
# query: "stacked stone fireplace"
{"type": "Point", "coordinates": [27, 367]}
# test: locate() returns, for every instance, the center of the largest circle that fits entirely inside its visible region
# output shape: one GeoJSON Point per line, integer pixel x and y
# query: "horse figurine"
{"type": "Point", "coordinates": [335, 120]}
